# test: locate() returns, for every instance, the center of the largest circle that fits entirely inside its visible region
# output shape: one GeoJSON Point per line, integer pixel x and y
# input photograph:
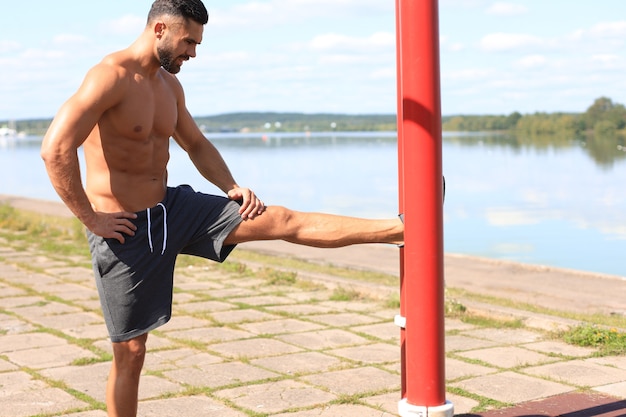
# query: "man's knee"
{"type": "Point", "coordinates": [282, 223]}
{"type": "Point", "coordinates": [281, 215]}
{"type": "Point", "coordinates": [130, 354]}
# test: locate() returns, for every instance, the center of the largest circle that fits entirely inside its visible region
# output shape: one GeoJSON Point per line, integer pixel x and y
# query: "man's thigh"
{"type": "Point", "coordinates": [274, 223]}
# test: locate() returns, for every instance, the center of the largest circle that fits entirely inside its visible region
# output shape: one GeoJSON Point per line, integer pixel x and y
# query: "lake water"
{"type": "Point", "coordinates": [559, 206]}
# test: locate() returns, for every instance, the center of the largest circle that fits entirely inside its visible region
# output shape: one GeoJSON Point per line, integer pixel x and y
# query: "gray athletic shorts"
{"type": "Point", "coordinates": [135, 279]}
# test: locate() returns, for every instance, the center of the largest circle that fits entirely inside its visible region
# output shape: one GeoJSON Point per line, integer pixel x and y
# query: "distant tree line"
{"type": "Point", "coordinates": [600, 130]}
{"type": "Point", "coordinates": [31, 126]}
{"type": "Point", "coordinates": [602, 118]}
{"type": "Point", "coordinates": [296, 122]}
{"type": "Point", "coordinates": [260, 122]}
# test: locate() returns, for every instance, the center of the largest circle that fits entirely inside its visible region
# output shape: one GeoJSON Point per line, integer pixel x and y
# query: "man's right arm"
{"type": "Point", "coordinates": [71, 126]}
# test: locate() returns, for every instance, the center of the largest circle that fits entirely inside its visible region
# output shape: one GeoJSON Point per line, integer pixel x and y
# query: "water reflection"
{"type": "Point", "coordinates": [544, 200]}
{"type": "Point", "coordinates": [604, 150]}
{"type": "Point", "coordinates": [537, 200]}
{"type": "Point", "coordinates": [13, 142]}
{"type": "Point", "coordinates": [295, 139]}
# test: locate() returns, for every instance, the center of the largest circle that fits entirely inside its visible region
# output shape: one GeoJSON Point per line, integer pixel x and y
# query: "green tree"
{"type": "Point", "coordinates": [603, 109]}
{"type": "Point", "coordinates": [512, 119]}
{"type": "Point", "coordinates": [604, 129]}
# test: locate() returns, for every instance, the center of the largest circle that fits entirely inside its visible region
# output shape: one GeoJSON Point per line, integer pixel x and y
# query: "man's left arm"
{"type": "Point", "coordinates": [212, 166]}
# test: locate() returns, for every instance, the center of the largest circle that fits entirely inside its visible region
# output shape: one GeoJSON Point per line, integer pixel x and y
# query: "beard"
{"type": "Point", "coordinates": [168, 61]}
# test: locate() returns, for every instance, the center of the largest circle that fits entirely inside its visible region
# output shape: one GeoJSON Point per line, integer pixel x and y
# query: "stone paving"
{"type": "Point", "coordinates": [257, 344]}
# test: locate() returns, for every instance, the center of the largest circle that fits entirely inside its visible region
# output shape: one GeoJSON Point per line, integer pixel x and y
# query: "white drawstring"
{"type": "Point", "coordinates": [164, 229]}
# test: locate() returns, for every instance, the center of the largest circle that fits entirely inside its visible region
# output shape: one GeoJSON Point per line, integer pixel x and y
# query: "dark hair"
{"type": "Point", "coordinates": [188, 9]}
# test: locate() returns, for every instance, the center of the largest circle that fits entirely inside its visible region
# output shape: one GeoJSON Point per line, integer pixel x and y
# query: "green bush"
{"type": "Point", "coordinates": [609, 341]}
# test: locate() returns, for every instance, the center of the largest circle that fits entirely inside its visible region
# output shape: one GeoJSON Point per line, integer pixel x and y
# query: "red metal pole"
{"type": "Point", "coordinates": [421, 199]}
{"type": "Point", "coordinates": [401, 197]}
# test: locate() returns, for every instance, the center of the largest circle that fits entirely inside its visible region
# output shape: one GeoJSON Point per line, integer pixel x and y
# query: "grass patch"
{"type": "Point", "coordinates": [277, 277]}
{"type": "Point", "coordinates": [608, 341]}
{"type": "Point", "coordinates": [615, 321]}
{"type": "Point", "coordinates": [455, 309]}
{"type": "Point", "coordinates": [348, 399]}
{"type": "Point", "coordinates": [492, 322]}
{"type": "Point", "coordinates": [346, 294]}
{"type": "Point", "coordinates": [91, 361]}
{"type": "Point", "coordinates": [93, 404]}
{"type": "Point", "coordinates": [238, 268]}
{"type": "Point", "coordinates": [392, 302]}
{"type": "Point", "coordinates": [56, 235]}
{"type": "Point", "coordinates": [305, 266]}
{"type": "Point", "coordinates": [484, 404]}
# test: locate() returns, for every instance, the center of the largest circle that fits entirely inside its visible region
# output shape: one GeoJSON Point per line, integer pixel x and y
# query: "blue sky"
{"type": "Point", "coordinates": [329, 55]}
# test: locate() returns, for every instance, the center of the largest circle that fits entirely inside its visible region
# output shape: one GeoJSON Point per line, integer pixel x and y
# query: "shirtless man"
{"type": "Point", "coordinates": [124, 114]}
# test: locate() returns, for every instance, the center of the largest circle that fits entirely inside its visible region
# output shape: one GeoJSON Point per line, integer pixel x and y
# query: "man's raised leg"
{"type": "Point", "coordinates": [316, 229]}
{"type": "Point", "coordinates": [123, 384]}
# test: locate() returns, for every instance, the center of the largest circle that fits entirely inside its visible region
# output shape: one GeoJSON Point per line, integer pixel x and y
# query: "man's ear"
{"type": "Point", "coordinates": [159, 29]}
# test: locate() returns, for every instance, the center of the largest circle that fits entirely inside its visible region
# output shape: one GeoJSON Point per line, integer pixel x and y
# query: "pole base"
{"type": "Point", "coordinates": [408, 410]}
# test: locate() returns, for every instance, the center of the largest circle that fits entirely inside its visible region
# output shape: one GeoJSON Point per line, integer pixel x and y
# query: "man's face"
{"type": "Point", "coordinates": [178, 44]}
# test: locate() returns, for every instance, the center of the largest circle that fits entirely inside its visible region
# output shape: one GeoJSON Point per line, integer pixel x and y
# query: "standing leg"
{"type": "Point", "coordinates": [123, 384]}
{"type": "Point", "coordinates": [316, 229]}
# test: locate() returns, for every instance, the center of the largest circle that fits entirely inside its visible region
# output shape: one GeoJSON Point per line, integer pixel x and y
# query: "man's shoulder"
{"type": "Point", "coordinates": [116, 63]}
{"type": "Point", "coordinates": [110, 73]}
{"type": "Point", "coordinates": [107, 80]}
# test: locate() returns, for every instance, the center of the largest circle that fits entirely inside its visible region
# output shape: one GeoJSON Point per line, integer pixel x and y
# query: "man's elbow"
{"type": "Point", "coordinates": [50, 153]}
{"type": "Point", "coordinates": [46, 152]}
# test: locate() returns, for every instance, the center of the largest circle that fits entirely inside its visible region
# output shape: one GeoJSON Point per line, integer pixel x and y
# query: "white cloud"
{"type": "Point", "coordinates": [43, 55]}
{"type": "Point", "coordinates": [501, 42]}
{"type": "Point", "coordinates": [510, 216]}
{"type": "Point", "coordinates": [503, 217]}
{"type": "Point", "coordinates": [331, 41]}
{"type": "Point", "coordinates": [382, 39]}
{"type": "Point", "coordinates": [8, 46]}
{"type": "Point", "coordinates": [604, 36]}
{"type": "Point", "coordinates": [490, 63]}
{"type": "Point", "coordinates": [455, 47]}
{"type": "Point", "coordinates": [468, 74]}
{"type": "Point", "coordinates": [125, 25]}
{"type": "Point", "coordinates": [532, 61]}
{"type": "Point", "coordinates": [617, 232]}
{"type": "Point", "coordinates": [506, 9]}
{"type": "Point", "coordinates": [533, 82]}
{"type": "Point", "coordinates": [334, 41]}
{"type": "Point", "coordinates": [446, 44]}
{"type": "Point", "coordinates": [383, 73]}
{"type": "Point", "coordinates": [261, 14]}
{"type": "Point", "coordinates": [608, 60]}
{"type": "Point", "coordinates": [334, 60]}
{"type": "Point", "coordinates": [463, 3]}
{"type": "Point", "coordinates": [330, 7]}
{"type": "Point", "coordinates": [224, 59]}
{"type": "Point", "coordinates": [68, 39]}
{"type": "Point", "coordinates": [609, 30]}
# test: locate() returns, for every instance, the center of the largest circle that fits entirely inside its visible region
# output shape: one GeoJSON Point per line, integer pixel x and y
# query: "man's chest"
{"type": "Point", "coordinates": [147, 110]}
